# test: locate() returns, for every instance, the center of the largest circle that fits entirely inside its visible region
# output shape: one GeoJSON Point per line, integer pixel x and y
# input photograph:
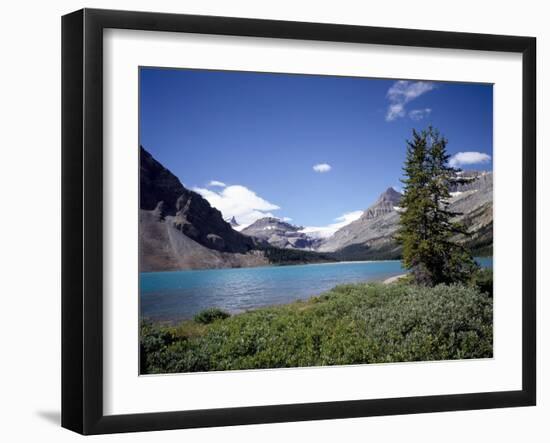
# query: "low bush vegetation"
{"type": "Point", "coordinates": [210, 315]}
{"type": "Point", "coordinates": [351, 324]}
{"type": "Point", "coordinates": [482, 280]}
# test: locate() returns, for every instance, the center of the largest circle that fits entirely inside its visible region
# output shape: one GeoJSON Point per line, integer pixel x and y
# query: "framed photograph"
{"type": "Point", "coordinates": [269, 221]}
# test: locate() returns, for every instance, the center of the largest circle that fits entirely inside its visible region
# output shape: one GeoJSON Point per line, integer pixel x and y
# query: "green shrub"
{"type": "Point", "coordinates": [351, 324]}
{"type": "Point", "coordinates": [152, 340]}
{"type": "Point", "coordinates": [210, 315]}
{"type": "Point", "coordinates": [483, 281]}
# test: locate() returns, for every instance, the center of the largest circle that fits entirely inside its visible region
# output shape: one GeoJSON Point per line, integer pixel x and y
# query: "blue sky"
{"type": "Point", "coordinates": [308, 148]}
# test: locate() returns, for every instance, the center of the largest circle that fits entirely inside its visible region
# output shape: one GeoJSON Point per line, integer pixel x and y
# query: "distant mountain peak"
{"type": "Point", "coordinates": [273, 222]}
{"type": "Point", "coordinates": [386, 202]}
{"type": "Point", "coordinates": [279, 233]}
{"type": "Point", "coordinates": [233, 222]}
{"type": "Point", "coordinates": [372, 235]}
{"type": "Point", "coordinates": [390, 195]}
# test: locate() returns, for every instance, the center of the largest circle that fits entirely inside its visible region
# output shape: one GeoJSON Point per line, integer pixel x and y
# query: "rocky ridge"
{"type": "Point", "coordinates": [162, 192]}
{"type": "Point", "coordinates": [372, 235]}
{"type": "Point", "coordinates": [280, 234]}
{"type": "Point", "coordinates": [180, 230]}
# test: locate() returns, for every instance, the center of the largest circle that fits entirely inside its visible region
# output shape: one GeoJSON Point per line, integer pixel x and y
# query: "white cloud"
{"type": "Point", "coordinates": [419, 114]}
{"type": "Point", "coordinates": [322, 167]}
{"type": "Point", "coordinates": [217, 183]}
{"type": "Point", "coordinates": [286, 219]}
{"type": "Point", "coordinates": [239, 202]}
{"type": "Point", "coordinates": [403, 92]}
{"type": "Point", "coordinates": [395, 111]}
{"type": "Point", "coordinates": [468, 158]}
{"type": "Point", "coordinates": [327, 231]}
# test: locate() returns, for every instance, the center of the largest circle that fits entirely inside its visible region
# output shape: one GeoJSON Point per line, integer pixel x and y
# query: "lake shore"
{"type": "Point", "coordinates": [393, 279]}
{"type": "Point", "coordinates": [349, 324]}
{"type": "Point", "coordinates": [175, 296]}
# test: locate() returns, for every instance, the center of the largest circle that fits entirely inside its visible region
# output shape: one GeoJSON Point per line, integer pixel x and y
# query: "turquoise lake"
{"type": "Point", "coordinates": [178, 295]}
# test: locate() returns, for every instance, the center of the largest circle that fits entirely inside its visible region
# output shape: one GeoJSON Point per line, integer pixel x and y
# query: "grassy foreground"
{"type": "Point", "coordinates": [350, 324]}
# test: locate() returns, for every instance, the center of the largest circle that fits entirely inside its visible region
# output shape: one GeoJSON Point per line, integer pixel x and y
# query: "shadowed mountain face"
{"type": "Point", "coordinates": [178, 228]}
{"type": "Point", "coordinates": [162, 192]}
{"type": "Point", "coordinates": [280, 234]}
{"type": "Point", "coordinates": [157, 184]}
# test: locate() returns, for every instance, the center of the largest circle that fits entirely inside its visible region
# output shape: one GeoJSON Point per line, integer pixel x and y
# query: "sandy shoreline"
{"type": "Point", "coordinates": [393, 279]}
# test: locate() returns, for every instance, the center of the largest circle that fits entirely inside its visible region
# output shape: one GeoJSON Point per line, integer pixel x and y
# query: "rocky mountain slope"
{"type": "Point", "coordinates": [280, 234]}
{"type": "Point", "coordinates": [180, 230]}
{"type": "Point", "coordinates": [190, 213]}
{"type": "Point", "coordinates": [471, 180]}
{"type": "Point", "coordinates": [386, 203]}
{"type": "Point", "coordinates": [373, 231]}
{"type": "Point", "coordinates": [371, 236]}
{"type": "Point", "coordinates": [163, 247]}
{"type": "Point", "coordinates": [474, 201]}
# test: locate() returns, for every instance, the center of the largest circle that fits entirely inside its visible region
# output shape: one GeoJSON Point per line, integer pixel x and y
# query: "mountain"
{"type": "Point", "coordinates": [474, 200]}
{"type": "Point", "coordinates": [190, 213]}
{"type": "Point", "coordinates": [371, 232]}
{"type": "Point", "coordinates": [233, 222]}
{"type": "Point", "coordinates": [163, 247]}
{"type": "Point", "coordinates": [386, 203]}
{"type": "Point", "coordinates": [179, 229]}
{"type": "Point", "coordinates": [471, 180]}
{"type": "Point", "coordinates": [371, 236]}
{"type": "Point", "coordinates": [280, 234]}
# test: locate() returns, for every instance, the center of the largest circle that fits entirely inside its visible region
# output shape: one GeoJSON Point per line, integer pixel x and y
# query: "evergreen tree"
{"type": "Point", "coordinates": [427, 227]}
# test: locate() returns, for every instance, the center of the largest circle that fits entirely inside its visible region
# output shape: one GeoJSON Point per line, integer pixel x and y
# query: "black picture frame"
{"type": "Point", "coordinates": [82, 218]}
